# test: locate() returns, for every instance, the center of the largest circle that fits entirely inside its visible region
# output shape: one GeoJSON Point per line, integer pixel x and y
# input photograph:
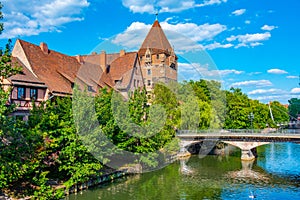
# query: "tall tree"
{"type": "Point", "coordinates": [280, 112]}
{"type": "Point", "coordinates": [294, 108]}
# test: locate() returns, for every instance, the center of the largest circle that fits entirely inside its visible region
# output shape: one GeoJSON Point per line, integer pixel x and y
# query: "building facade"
{"type": "Point", "coordinates": [47, 73]}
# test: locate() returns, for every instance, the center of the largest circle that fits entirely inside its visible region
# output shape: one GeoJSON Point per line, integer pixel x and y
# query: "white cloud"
{"type": "Point", "coordinates": [184, 36]}
{"type": "Point", "coordinates": [254, 73]}
{"type": "Point", "coordinates": [247, 22]}
{"type": "Point", "coordinates": [292, 77]}
{"type": "Point", "coordinates": [249, 39]}
{"type": "Point", "coordinates": [217, 45]}
{"type": "Point", "coordinates": [150, 6]}
{"type": "Point", "coordinates": [256, 83]}
{"type": "Point", "coordinates": [280, 98]}
{"type": "Point", "coordinates": [140, 6]}
{"type": "Point", "coordinates": [295, 91]}
{"type": "Point", "coordinates": [270, 91]}
{"type": "Point", "coordinates": [238, 12]}
{"type": "Point", "coordinates": [25, 18]}
{"type": "Point", "coordinates": [203, 70]}
{"type": "Point", "coordinates": [277, 71]}
{"type": "Point", "coordinates": [133, 36]}
{"type": "Point", "coordinates": [268, 28]}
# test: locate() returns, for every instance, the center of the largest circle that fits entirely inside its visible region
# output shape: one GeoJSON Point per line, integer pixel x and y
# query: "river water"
{"type": "Point", "coordinates": [274, 175]}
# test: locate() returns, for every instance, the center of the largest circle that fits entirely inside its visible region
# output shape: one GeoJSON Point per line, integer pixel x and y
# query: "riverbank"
{"type": "Point", "coordinates": [107, 176]}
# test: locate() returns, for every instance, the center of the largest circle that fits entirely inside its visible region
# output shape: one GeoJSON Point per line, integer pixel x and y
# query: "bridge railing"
{"type": "Point", "coordinates": [239, 131]}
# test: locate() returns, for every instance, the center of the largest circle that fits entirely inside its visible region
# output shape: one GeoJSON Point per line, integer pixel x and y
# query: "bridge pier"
{"type": "Point", "coordinates": [247, 149]}
{"type": "Point", "coordinates": [247, 155]}
{"type": "Point", "coordinates": [183, 153]}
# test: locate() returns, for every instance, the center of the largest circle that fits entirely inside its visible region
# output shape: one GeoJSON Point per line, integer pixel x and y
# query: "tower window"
{"type": "Point", "coordinates": [149, 83]}
{"type": "Point", "coordinates": [149, 71]}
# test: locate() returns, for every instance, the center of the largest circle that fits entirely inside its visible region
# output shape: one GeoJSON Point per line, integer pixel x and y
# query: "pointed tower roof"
{"type": "Point", "coordinates": [156, 40]}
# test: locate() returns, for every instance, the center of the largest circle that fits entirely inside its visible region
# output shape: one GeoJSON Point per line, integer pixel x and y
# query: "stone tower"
{"type": "Point", "coordinates": [157, 58]}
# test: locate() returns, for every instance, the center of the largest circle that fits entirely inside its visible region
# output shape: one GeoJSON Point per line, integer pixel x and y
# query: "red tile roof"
{"type": "Point", "coordinates": [48, 67]}
{"type": "Point", "coordinates": [26, 77]}
{"type": "Point", "coordinates": [156, 40]}
{"type": "Point", "coordinates": [59, 71]}
{"type": "Point", "coordinates": [123, 64]}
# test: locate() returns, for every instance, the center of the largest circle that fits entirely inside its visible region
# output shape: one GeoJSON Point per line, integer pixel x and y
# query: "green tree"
{"type": "Point", "coordinates": [212, 102]}
{"type": "Point", "coordinates": [280, 112]}
{"type": "Point", "coordinates": [15, 144]}
{"type": "Point", "coordinates": [294, 108]}
{"type": "Point", "coordinates": [63, 154]}
{"type": "Point", "coordinates": [238, 109]}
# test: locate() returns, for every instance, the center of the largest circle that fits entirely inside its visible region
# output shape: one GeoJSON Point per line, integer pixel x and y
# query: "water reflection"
{"type": "Point", "coordinates": [213, 177]}
{"type": "Point", "coordinates": [184, 169]}
{"type": "Point", "coordinates": [247, 174]}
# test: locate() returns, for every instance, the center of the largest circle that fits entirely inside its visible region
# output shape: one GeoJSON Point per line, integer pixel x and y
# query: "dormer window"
{"type": "Point", "coordinates": [148, 56]}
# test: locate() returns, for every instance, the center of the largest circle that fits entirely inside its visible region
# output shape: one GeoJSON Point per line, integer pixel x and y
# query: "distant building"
{"type": "Point", "coordinates": [47, 73]}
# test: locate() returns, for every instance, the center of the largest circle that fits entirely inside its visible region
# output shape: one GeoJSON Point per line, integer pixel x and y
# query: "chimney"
{"type": "Point", "coordinates": [44, 48]}
{"type": "Point", "coordinates": [122, 52]}
{"type": "Point", "coordinates": [79, 58]}
{"type": "Point", "coordinates": [103, 61]}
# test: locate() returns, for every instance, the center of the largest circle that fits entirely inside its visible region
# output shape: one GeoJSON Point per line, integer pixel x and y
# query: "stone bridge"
{"type": "Point", "coordinates": [246, 140]}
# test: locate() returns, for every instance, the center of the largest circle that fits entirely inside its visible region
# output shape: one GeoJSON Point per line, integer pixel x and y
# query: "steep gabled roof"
{"type": "Point", "coordinates": [93, 75]}
{"type": "Point", "coordinates": [48, 67]}
{"type": "Point", "coordinates": [121, 65]}
{"type": "Point", "coordinates": [156, 40]}
{"type": "Point", "coordinates": [26, 77]}
{"type": "Point", "coordinates": [58, 72]}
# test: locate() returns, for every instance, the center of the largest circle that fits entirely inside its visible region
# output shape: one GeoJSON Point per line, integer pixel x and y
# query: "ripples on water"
{"type": "Point", "coordinates": [274, 175]}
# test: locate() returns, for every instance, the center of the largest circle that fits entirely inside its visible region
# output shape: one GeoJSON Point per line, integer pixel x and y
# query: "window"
{"type": "Point", "coordinates": [149, 83]}
{"type": "Point", "coordinates": [147, 55]}
{"type": "Point", "coordinates": [138, 83]}
{"type": "Point", "coordinates": [135, 70]}
{"type": "Point", "coordinates": [134, 83]}
{"type": "Point", "coordinates": [90, 88]}
{"type": "Point", "coordinates": [157, 56]}
{"type": "Point", "coordinates": [21, 93]}
{"type": "Point", "coordinates": [149, 71]}
{"type": "Point", "coordinates": [33, 94]}
{"type": "Point", "coordinates": [108, 69]}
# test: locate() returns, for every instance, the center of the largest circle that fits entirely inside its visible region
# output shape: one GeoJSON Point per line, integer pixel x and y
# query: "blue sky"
{"type": "Point", "coordinates": [253, 45]}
